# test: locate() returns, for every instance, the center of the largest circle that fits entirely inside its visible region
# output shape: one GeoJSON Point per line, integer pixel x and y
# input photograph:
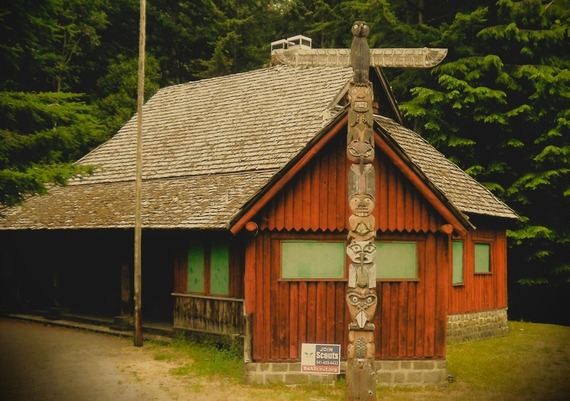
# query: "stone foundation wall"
{"type": "Point", "coordinates": [468, 326]}
{"type": "Point", "coordinates": [389, 373]}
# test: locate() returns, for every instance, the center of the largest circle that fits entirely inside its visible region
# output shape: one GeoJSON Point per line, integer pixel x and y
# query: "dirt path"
{"type": "Point", "coordinates": [41, 363]}
{"type": "Point", "coordinates": [54, 363]}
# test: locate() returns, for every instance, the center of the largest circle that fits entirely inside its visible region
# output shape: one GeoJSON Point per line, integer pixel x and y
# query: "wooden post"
{"type": "Point", "coordinates": [126, 295]}
{"type": "Point", "coordinates": [361, 294]}
{"type": "Point", "coordinates": [138, 336]}
{"type": "Point", "coordinates": [247, 339]}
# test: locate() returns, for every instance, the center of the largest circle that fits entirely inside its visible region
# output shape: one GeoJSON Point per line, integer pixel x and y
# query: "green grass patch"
{"type": "Point", "coordinates": [530, 363]}
{"type": "Point", "coordinates": [205, 360]}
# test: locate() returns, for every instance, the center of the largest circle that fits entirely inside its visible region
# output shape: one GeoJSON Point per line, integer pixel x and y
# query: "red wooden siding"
{"type": "Point", "coordinates": [482, 291]}
{"type": "Point", "coordinates": [289, 313]}
{"type": "Point", "coordinates": [411, 318]}
{"type": "Point", "coordinates": [316, 198]}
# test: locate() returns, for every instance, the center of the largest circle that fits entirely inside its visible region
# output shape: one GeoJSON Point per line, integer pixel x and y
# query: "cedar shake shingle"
{"type": "Point", "coordinates": [210, 146]}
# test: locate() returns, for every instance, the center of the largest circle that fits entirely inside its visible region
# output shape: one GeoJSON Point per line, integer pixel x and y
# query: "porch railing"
{"type": "Point", "coordinates": [217, 315]}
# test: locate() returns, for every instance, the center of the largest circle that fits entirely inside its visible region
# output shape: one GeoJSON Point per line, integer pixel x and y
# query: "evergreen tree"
{"type": "Point", "coordinates": [41, 135]}
{"type": "Point", "coordinates": [500, 106]}
{"type": "Point", "coordinates": [44, 129]}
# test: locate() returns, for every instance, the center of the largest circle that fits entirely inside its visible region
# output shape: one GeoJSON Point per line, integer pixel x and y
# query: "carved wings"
{"type": "Point", "coordinates": [395, 58]}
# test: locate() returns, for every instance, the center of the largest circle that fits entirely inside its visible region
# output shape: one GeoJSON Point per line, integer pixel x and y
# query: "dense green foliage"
{"type": "Point", "coordinates": [499, 105]}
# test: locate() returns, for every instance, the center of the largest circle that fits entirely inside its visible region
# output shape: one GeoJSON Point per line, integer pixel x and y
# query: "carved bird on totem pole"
{"type": "Point", "coordinates": [360, 53]}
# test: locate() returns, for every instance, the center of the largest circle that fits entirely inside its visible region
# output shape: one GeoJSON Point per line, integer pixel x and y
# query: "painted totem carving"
{"type": "Point", "coordinates": [361, 294]}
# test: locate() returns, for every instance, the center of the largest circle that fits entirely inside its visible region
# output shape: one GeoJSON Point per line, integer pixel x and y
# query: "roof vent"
{"type": "Point", "coordinates": [302, 41]}
{"type": "Point", "coordinates": [298, 42]}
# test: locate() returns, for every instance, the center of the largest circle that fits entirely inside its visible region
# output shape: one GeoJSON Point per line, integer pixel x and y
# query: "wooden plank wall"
{"type": "Point", "coordinates": [412, 314]}
{"type": "Point", "coordinates": [411, 319]}
{"type": "Point", "coordinates": [482, 291]}
{"type": "Point", "coordinates": [412, 322]}
{"type": "Point", "coordinates": [316, 199]}
{"type": "Point", "coordinates": [209, 314]}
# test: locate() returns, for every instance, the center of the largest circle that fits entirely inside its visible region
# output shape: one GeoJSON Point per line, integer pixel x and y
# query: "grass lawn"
{"type": "Point", "coordinates": [531, 363]}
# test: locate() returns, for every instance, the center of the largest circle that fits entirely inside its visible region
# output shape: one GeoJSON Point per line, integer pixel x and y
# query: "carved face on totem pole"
{"type": "Point", "coordinates": [361, 187]}
{"type": "Point", "coordinates": [361, 104]}
{"type": "Point", "coordinates": [361, 252]}
{"type": "Point", "coordinates": [361, 150]}
{"type": "Point", "coordinates": [362, 307]}
{"type": "Point", "coordinates": [361, 204]}
{"type": "Point", "coordinates": [362, 270]}
{"type": "Point", "coordinates": [360, 140]}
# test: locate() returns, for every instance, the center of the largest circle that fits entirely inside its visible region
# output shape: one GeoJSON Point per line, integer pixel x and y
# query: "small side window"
{"type": "Point", "coordinates": [457, 254]}
{"type": "Point", "coordinates": [482, 258]}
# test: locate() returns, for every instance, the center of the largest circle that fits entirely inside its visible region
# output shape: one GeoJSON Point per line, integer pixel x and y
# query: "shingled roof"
{"type": "Point", "coordinates": [461, 190]}
{"type": "Point", "coordinates": [211, 146]}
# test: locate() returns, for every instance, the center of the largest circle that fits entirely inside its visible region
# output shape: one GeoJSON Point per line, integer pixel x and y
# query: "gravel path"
{"type": "Point", "coordinates": [55, 363]}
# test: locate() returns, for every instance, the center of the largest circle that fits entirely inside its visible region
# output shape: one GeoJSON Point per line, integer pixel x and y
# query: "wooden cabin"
{"type": "Point", "coordinates": [245, 224]}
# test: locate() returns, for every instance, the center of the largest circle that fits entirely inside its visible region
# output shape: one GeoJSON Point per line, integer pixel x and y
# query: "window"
{"type": "Point", "coordinates": [196, 268]}
{"type": "Point", "coordinates": [396, 260]}
{"type": "Point", "coordinates": [209, 267]}
{"type": "Point", "coordinates": [312, 260]}
{"type": "Point", "coordinates": [457, 254]}
{"type": "Point", "coordinates": [482, 258]}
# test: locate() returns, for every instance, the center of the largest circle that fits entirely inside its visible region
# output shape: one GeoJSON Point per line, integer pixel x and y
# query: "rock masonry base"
{"type": "Point", "coordinates": [470, 326]}
{"type": "Point", "coordinates": [426, 372]}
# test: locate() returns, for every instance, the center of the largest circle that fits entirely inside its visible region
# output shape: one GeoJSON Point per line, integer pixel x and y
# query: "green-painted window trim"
{"type": "Point", "coordinates": [396, 260]}
{"type": "Point", "coordinates": [219, 268]}
{"type": "Point", "coordinates": [312, 260]}
{"type": "Point", "coordinates": [482, 258]}
{"type": "Point", "coordinates": [208, 267]}
{"type": "Point", "coordinates": [457, 251]}
{"type": "Point", "coordinates": [196, 269]}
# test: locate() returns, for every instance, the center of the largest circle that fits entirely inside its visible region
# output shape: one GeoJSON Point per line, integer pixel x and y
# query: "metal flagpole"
{"type": "Point", "coordinates": [138, 337]}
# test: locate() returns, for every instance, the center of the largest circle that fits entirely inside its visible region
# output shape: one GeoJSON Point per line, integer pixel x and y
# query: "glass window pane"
{"type": "Point", "coordinates": [220, 268]}
{"type": "Point", "coordinates": [457, 252]}
{"type": "Point", "coordinates": [396, 260]}
{"type": "Point", "coordinates": [482, 258]}
{"type": "Point", "coordinates": [312, 260]}
{"type": "Point", "coordinates": [196, 267]}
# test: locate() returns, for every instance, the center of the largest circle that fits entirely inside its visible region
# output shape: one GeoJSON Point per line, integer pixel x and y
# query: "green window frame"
{"type": "Point", "coordinates": [482, 258]}
{"type": "Point", "coordinates": [312, 260]}
{"type": "Point", "coordinates": [396, 260]}
{"type": "Point", "coordinates": [208, 267]}
{"type": "Point", "coordinates": [457, 251]}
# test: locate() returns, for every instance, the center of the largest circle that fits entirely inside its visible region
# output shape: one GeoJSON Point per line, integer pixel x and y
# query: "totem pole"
{"type": "Point", "coordinates": [361, 294]}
